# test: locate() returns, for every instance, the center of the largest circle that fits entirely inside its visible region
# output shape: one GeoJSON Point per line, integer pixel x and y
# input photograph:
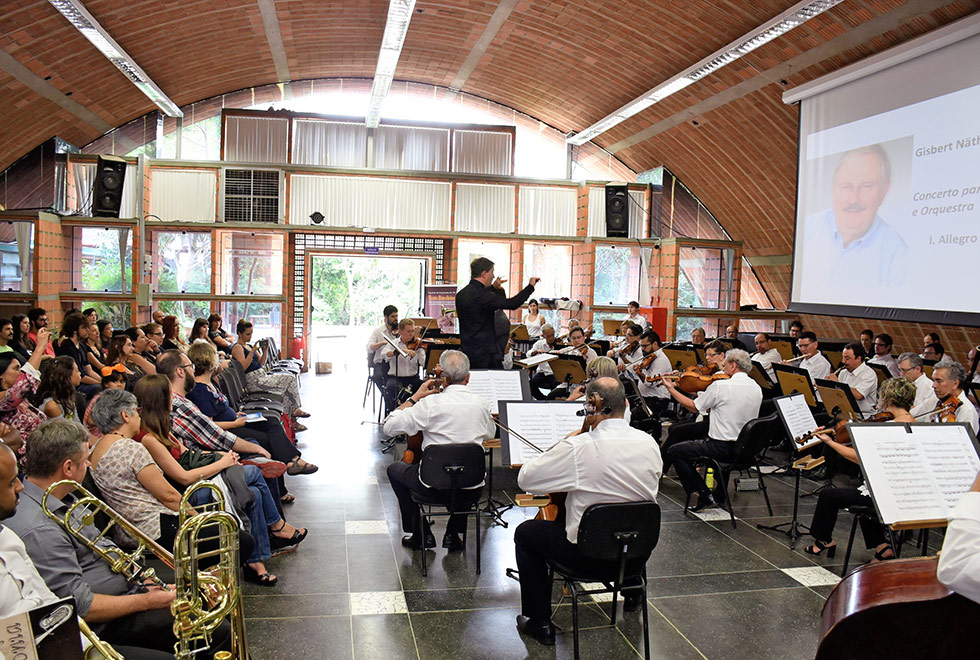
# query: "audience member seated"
{"type": "Point", "coordinates": [266, 433]}
{"type": "Point", "coordinates": [56, 392]}
{"type": "Point", "coordinates": [113, 378]}
{"type": "Point", "coordinates": [19, 385]}
{"type": "Point", "coordinates": [105, 332]}
{"type": "Point", "coordinates": [96, 351]}
{"type": "Point", "coordinates": [896, 396]}
{"type": "Point", "coordinates": [171, 335]}
{"type": "Point", "coordinates": [38, 319]}
{"type": "Point", "coordinates": [74, 331]}
{"type": "Point", "coordinates": [119, 612]}
{"type": "Point", "coordinates": [252, 359]}
{"type": "Point", "coordinates": [219, 337]}
{"type": "Point", "coordinates": [199, 332]}
{"type": "Point", "coordinates": [154, 338]}
{"type": "Point", "coordinates": [122, 351]}
{"type": "Point", "coordinates": [6, 338]}
{"type": "Point", "coordinates": [20, 342]}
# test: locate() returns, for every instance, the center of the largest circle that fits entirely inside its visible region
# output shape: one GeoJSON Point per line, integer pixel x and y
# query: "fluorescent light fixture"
{"type": "Point", "coordinates": [776, 27]}
{"type": "Point", "coordinates": [85, 23]}
{"type": "Point", "coordinates": [399, 16]}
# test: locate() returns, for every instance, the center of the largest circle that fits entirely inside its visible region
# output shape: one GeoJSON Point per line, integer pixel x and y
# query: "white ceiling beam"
{"type": "Point", "coordinates": [396, 27]}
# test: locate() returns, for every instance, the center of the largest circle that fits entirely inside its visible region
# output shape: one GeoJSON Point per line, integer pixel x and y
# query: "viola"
{"type": "Point", "coordinates": [697, 379]}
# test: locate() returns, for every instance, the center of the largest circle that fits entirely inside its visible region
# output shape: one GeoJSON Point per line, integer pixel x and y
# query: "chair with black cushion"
{"type": "Point", "coordinates": [753, 440]}
{"type": "Point", "coordinates": [456, 470]}
{"type": "Point", "coordinates": [610, 536]}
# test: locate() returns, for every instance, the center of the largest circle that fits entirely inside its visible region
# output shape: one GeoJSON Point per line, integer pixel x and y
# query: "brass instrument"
{"type": "Point", "coordinates": [97, 644]}
{"type": "Point", "coordinates": [446, 311]}
{"type": "Point", "coordinates": [82, 512]}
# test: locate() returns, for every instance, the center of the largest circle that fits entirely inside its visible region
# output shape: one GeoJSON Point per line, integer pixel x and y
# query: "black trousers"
{"type": "Point", "coordinates": [153, 629]}
{"type": "Point", "coordinates": [537, 541]}
{"type": "Point", "coordinates": [684, 454]}
{"type": "Point", "coordinates": [539, 380]}
{"type": "Point", "coordinates": [404, 480]}
{"type": "Point", "coordinates": [683, 432]}
{"type": "Point", "coordinates": [829, 504]}
{"type": "Point", "coordinates": [394, 387]}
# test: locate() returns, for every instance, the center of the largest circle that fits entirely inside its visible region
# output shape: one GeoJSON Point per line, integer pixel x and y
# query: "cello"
{"type": "Point", "coordinates": [413, 443]}
{"type": "Point", "coordinates": [896, 609]}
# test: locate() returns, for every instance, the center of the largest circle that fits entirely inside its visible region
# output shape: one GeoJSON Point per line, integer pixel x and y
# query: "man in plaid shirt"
{"type": "Point", "coordinates": [197, 430]}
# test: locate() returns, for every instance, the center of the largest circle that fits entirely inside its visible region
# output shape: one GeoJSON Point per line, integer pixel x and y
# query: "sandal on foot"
{"type": "Point", "coordinates": [293, 468]}
{"type": "Point", "coordinates": [880, 555]}
{"type": "Point", "coordinates": [279, 543]}
{"type": "Point", "coordinates": [264, 579]}
{"type": "Point", "coordinates": [818, 548]}
{"type": "Point", "coordinates": [299, 427]}
{"type": "Point", "coordinates": [288, 498]}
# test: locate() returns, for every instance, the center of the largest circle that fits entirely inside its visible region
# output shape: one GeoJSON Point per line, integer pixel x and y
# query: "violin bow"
{"type": "Point", "coordinates": [504, 427]}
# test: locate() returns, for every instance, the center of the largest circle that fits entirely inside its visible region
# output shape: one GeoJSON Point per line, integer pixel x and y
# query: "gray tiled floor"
{"type": "Point", "coordinates": [352, 590]}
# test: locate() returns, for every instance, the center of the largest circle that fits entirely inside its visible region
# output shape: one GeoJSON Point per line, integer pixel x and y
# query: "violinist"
{"type": "Point", "coordinates": [894, 397]}
{"type": "Point", "coordinates": [454, 416]}
{"type": "Point", "coordinates": [577, 338]}
{"type": "Point", "coordinates": [628, 348]}
{"type": "Point", "coordinates": [861, 378]}
{"type": "Point", "coordinates": [947, 381]}
{"type": "Point", "coordinates": [654, 363]}
{"type": "Point", "coordinates": [610, 463]}
{"type": "Point", "coordinates": [403, 363]}
{"type": "Point", "coordinates": [544, 377]}
{"type": "Point", "coordinates": [910, 368]}
{"type": "Point", "coordinates": [732, 402]}
{"type": "Point", "coordinates": [377, 346]}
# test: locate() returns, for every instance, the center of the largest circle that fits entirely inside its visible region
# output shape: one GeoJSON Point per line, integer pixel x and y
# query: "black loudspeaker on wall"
{"type": "Point", "coordinates": [109, 176]}
{"type": "Point", "coordinates": [617, 211]}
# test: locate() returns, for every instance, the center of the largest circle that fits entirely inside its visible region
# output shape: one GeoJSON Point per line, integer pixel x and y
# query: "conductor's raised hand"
{"type": "Point", "coordinates": [498, 283]}
{"type": "Point", "coordinates": [533, 281]}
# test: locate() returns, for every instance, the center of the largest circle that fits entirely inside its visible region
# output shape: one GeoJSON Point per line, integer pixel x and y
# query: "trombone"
{"type": "Point", "coordinates": [108, 653]}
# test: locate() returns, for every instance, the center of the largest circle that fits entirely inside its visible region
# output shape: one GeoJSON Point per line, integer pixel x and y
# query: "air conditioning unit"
{"type": "Point", "coordinates": [252, 195]}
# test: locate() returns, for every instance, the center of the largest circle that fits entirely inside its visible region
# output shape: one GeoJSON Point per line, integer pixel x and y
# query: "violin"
{"type": "Point", "coordinates": [645, 363]}
{"type": "Point", "coordinates": [697, 379]}
{"type": "Point", "coordinates": [945, 412]}
{"type": "Point", "coordinates": [840, 433]}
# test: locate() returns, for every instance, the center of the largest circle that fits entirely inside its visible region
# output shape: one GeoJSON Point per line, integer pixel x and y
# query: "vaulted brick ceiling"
{"type": "Point", "coordinates": [568, 63]}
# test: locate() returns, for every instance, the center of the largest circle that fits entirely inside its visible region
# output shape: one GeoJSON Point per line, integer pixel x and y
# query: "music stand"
{"type": "Point", "coordinates": [432, 358]}
{"type": "Point", "coordinates": [834, 352]}
{"type": "Point", "coordinates": [518, 332]}
{"type": "Point", "coordinates": [838, 399]}
{"type": "Point", "coordinates": [795, 379]}
{"type": "Point", "coordinates": [681, 357]}
{"type": "Point", "coordinates": [569, 369]}
{"type": "Point", "coordinates": [785, 348]}
{"type": "Point", "coordinates": [761, 376]}
{"type": "Point", "coordinates": [612, 328]}
{"type": "Point", "coordinates": [881, 371]}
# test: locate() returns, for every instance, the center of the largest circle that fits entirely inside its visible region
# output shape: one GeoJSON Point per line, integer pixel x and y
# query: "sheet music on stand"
{"type": "Point", "coordinates": [535, 360]}
{"type": "Point", "coordinates": [542, 422]}
{"type": "Point", "coordinates": [797, 418]}
{"type": "Point", "coordinates": [497, 385]}
{"type": "Point", "coordinates": [916, 472]}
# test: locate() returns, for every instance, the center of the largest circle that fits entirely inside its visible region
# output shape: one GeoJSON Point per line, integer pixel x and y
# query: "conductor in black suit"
{"type": "Point", "coordinates": [475, 307]}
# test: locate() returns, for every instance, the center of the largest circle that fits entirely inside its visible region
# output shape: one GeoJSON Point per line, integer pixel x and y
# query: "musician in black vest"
{"type": "Point", "coordinates": [475, 307]}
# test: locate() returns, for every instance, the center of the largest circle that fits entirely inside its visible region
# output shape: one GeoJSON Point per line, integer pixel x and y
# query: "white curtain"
{"type": "Point", "coordinates": [411, 148]}
{"type": "Point", "coordinates": [83, 178]}
{"type": "Point", "coordinates": [484, 208]}
{"type": "Point", "coordinates": [23, 231]}
{"type": "Point", "coordinates": [482, 152]}
{"type": "Point", "coordinates": [597, 213]}
{"type": "Point", "coordinates": [329, 143]}
{"type": "Point", "coordinates": [547, 211]}
{"type": "Point", "coordinates": [370, 202]}
{"type": "Point", "coordinates": [256, 139]}
{"type": "Point", "coordinates": [184, 195]}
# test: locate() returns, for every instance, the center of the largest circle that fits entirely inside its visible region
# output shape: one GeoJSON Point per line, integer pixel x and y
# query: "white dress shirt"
{"type": "Point", "coordinates": [732, 402]}
{"type": "Point", "coordinates": [864, 380]}
{"type": "Point", "coordinates": [766, 360]}
{"type": "Point", "coordinates": [377, 335]}
{"type": "Point", "coordinates": [541, 346]}
{"type": "Point", "coordinates": [818, 365]}
{"type": "Point", "coordinates": [890, 362]}
{"type": "Point", "coordinates": [959, 563]}
{"type": "Point", "coordinates": [455, 415]}
{"type": "Point", "coordinates": [660, 365]}
{"type": "Point", "coordinates": [967, 412]}
{"type": "Point", "coordinates": [925, 397]}
{"type": "Point", "coordinates": [639, 320]}
{"type": "Point", "coordinates": [612, 463]}
{"type": "Point", "coordinates": [404, 367]}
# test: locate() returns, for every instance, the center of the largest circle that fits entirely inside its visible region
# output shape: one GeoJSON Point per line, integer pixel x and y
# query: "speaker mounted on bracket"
{"type": "Point", "coordinates": [109, 176]}
{"type": "Point", "coordinates": [617, 210]}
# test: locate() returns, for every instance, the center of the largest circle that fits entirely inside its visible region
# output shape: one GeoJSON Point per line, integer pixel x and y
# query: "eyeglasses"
{"type": "Point", "coordinates": [905, 371]}
{"type": "Point", "coordinates": [187, 366]}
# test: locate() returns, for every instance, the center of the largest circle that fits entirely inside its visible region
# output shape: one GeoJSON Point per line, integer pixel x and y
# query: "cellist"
{"type": "Point", "coordinates": [454, 416]}
{"type": "Point", "coordinates": [610, 463]}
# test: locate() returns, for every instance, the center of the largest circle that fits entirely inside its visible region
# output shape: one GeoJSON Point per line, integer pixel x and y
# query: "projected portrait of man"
{"type": "Point", "coordinates": [850, 244]}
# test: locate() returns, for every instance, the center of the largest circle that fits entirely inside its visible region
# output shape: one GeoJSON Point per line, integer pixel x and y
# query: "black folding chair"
{"type": "Point", "coordinates": [455, 471]}
{"type": "Point", "coordinates": [610, 536]}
